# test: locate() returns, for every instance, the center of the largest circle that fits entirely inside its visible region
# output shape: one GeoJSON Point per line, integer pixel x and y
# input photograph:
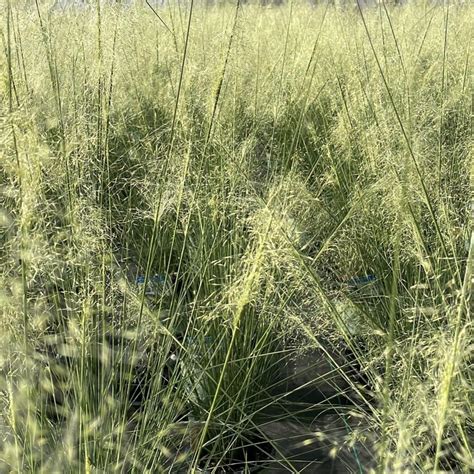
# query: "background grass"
{"type": "Point", "coordinates": [258, 160]}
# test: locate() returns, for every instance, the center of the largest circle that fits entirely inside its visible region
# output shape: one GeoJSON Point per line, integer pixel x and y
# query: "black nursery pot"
{"type": "Point", "coordinates": [128, 381]}
{"type": "Point", "coordinates": [251, 453]}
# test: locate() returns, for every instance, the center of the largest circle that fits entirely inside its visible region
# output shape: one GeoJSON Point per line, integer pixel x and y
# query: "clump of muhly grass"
{"type": "Point", "coordinates": [318, 170]}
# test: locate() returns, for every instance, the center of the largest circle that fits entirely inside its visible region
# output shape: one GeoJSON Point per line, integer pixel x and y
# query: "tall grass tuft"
{"type": "Point", "coordinates": [195, 199]}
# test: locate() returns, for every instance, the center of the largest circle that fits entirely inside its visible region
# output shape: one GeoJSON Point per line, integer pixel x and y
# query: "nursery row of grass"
{"type": "Point", "coordinates": [216, 183]}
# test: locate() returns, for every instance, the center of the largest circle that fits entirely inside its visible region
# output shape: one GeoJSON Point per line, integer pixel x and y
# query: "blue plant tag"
{"type": "Point", "coordinates": [361, 280]}
{"type": "Point", "coordinates": [155, 284]}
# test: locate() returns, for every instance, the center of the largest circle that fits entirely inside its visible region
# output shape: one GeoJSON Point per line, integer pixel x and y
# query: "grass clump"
{"type": "Point", "coordinates": [191, 203]}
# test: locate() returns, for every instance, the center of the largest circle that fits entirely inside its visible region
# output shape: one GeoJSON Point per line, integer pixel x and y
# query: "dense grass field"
{"type": "Point", "coordinates": [193, 199]}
